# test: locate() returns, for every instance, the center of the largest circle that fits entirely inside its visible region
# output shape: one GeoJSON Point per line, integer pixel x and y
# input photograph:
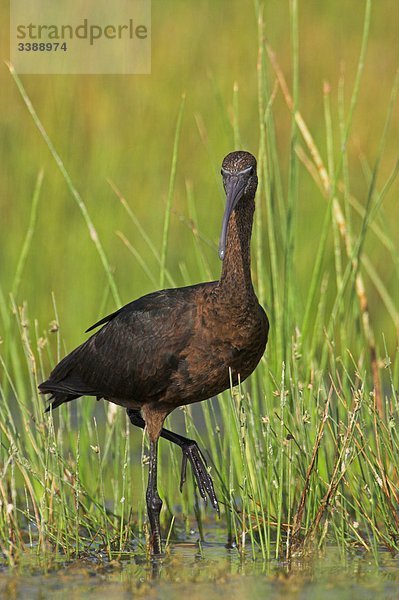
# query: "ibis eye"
{"type": "Point", "coordinates": [248, 171]}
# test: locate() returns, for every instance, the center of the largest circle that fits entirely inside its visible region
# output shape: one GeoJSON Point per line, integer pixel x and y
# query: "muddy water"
{"type": "Point", "coordinates": [210, 571]}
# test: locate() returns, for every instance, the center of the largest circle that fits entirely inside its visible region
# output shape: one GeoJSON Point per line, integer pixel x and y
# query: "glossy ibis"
{"type": "Point", "coordinates": [177, 346]}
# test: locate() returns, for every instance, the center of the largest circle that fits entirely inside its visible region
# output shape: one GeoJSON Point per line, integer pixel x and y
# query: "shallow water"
{"type": "Point", "coordinates": [207, 571]}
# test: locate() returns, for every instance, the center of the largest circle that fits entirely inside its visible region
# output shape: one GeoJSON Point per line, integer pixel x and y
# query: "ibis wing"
{"type": "Point", "coordinates": [133, 356]}
{"type": "Point", "coordinates": [104, 320]}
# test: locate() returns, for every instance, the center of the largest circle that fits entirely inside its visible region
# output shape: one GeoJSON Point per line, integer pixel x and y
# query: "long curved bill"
{"type": "Point", "coordinates": [234, 191]}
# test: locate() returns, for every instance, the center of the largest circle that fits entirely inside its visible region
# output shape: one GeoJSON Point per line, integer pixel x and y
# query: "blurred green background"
{"type": "Point", "coordinates": [121, 128]}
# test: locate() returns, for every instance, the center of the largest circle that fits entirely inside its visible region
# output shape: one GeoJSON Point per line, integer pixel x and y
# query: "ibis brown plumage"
{"type": "Point", "coordinates": [177, 346]}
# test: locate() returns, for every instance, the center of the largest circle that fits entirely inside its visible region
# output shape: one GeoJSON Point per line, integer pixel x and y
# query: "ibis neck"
{"type": "Point", "coordinates": [236, 270]}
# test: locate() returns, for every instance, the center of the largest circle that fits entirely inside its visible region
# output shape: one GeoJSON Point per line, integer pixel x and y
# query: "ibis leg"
{"type": "Point", "coordinates": [192, 453]}
{"type": "Point", "coordinates": [154, 502]}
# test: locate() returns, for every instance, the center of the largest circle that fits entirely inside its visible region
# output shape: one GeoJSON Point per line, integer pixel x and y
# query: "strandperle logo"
{"type": "Point", "coordinates": [81, 36]}
{"type": "Point", "coordinates": [85, 31]}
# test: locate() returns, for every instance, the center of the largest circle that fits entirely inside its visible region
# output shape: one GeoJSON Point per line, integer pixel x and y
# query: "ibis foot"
{"type": "Point", "coordinates": [191, 453]}
{"type": "Point", "coordinates": [154, 502]}
{"type": "Point", "coordinates": [197, 460]}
